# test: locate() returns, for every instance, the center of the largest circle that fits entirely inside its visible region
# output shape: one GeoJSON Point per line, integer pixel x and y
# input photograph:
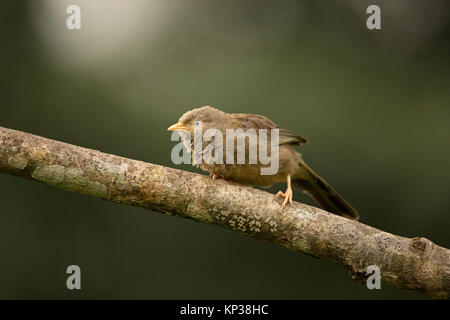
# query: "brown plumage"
{"type": "Point", "coordinates": [292, 168]}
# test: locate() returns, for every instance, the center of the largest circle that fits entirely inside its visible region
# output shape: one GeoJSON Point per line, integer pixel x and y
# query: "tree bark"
{"type": "Point", "coordinates": [415, 264]}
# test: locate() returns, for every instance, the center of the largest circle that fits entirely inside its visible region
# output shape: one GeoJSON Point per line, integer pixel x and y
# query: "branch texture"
{"type": "Point", "coordinates": [416, 264]}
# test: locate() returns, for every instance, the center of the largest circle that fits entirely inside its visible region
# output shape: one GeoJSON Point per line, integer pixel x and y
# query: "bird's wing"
{"type": "Point", "coordinates": [255, 121]}
{"type": "Point", "coordinates": [290, 137]}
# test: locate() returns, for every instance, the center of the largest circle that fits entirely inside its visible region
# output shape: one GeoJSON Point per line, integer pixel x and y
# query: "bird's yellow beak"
{"type": "Point", "coordinates": [176, 126]}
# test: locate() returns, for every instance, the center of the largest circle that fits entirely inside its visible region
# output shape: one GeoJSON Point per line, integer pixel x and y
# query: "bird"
{"type": "Point", "coordinates": [292, 168]}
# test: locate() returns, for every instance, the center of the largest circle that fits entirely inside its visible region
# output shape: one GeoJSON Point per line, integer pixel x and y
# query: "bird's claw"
{"type": "Point", "coordinates": [287, 197]}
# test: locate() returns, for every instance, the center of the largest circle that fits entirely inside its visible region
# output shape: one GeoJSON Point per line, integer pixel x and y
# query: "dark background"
{"type": "Point", "coordinates": [375, 106]}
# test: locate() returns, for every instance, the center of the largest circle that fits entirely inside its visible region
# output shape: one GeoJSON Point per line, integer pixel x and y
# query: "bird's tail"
{"type": "Point", "coordinates": [321, 192]}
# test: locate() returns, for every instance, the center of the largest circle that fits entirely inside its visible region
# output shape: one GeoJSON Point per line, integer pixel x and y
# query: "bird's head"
{"type": "Point", "coordinates": [209, 117]}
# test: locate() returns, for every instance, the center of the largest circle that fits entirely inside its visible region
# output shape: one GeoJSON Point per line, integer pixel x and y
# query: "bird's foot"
{"type": "Point", "coordinates": [216, 177]}
{"type": "Point", "coordinates": [287, 197]}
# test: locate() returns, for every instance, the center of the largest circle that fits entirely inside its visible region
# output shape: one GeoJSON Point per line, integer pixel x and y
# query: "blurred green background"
{"type": "Point", "coordinates": [375, 106]}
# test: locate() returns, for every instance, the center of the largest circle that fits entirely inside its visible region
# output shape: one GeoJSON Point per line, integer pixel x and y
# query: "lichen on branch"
{"type": "Point", "coordinates": [415, 264]}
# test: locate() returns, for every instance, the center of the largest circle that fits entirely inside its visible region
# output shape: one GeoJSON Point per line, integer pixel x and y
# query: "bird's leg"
{"type": "Point", "coordinates": [217, 177]}
{"type": "Point", "coordinates": [286, 195]}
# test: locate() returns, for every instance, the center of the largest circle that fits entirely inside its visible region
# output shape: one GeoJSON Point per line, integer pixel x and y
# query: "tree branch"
{"type": "Point", "coordinates": [416, 264]}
